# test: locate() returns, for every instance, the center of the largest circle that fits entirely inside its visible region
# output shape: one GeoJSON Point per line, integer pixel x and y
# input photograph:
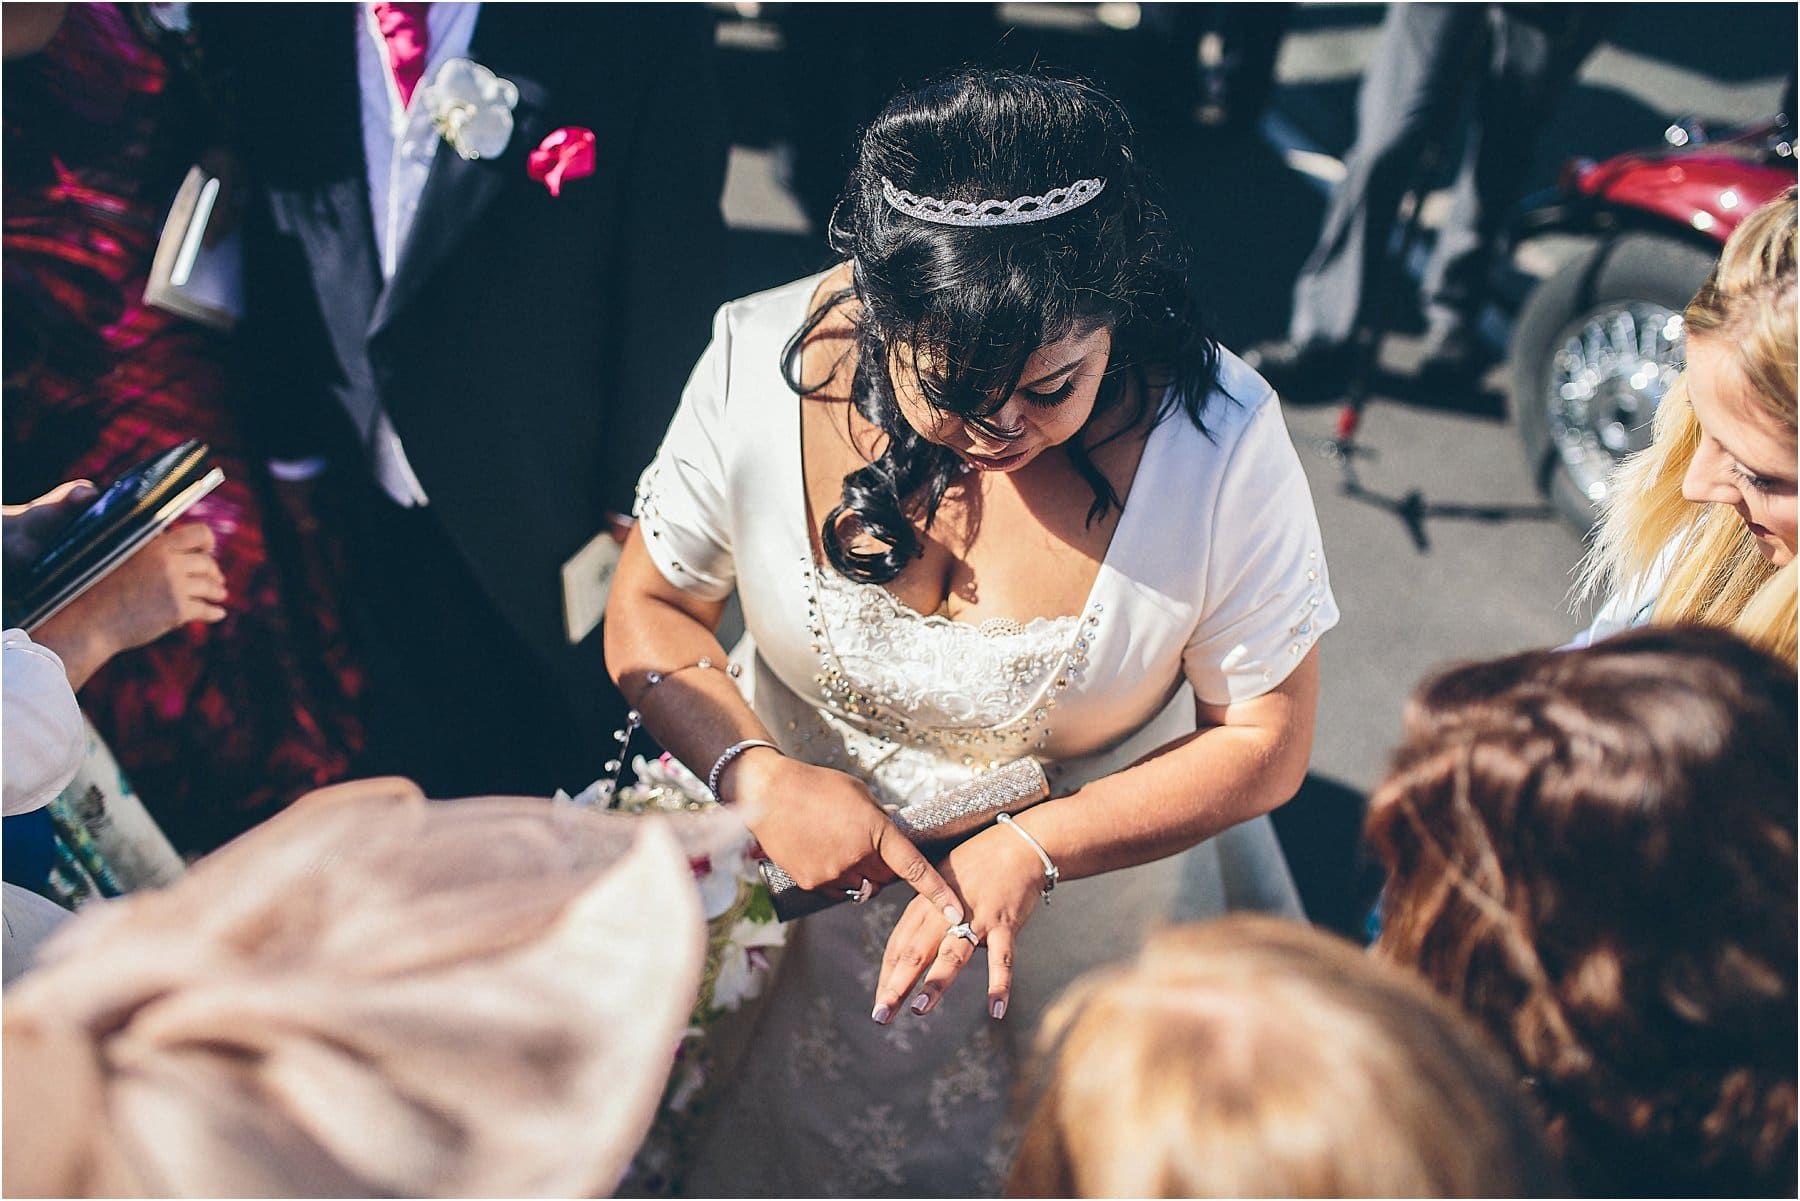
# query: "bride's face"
{"type": "Point", "coordinates": [1050, 405]}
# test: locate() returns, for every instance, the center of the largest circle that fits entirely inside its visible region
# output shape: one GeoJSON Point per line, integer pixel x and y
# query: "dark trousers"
{"type": "Point", "coordinates": [1514, 68]}
{"type": "Point", "coordinates": [457, 701]}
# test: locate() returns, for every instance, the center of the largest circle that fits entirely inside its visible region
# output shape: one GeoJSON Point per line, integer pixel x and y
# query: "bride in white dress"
{"type": "Point", "coordinates": [985, 490]}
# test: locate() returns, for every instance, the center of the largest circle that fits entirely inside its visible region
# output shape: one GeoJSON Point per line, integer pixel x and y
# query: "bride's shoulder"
{"type": "Point", "coordinates": [779, 311]}
{"type": "Point", "coordinates": [1239, 394]}
{"type": "Point", "coordinates": [744, 379]}
{"type": "Point", "coordinates": [1241, 429]}
{"type": "Point", "coordinates": [1237, 398]}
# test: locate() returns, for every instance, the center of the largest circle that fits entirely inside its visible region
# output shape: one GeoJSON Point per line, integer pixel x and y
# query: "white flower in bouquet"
{"type": "Point", "coordinates": [669, 776]}
{"type": "Point", "coordinates": [718, 890]}
{"type": "Point", "coordinates": [745, 960]}
{"type": "Point", "coordinates": [744, 934]}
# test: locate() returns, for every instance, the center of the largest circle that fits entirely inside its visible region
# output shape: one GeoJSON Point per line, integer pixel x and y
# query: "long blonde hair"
{"type": "Point", "coordinates": [1716, 575]}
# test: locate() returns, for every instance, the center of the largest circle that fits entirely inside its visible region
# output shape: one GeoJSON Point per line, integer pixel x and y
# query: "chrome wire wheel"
{"type": "Point", "coordinates": [1596, 346]}
{"type": "Point", "coordinates": [1612, 367]}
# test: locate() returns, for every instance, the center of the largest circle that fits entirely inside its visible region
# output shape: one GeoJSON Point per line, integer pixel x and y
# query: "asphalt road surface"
{"type": "Point", "coordinates": [1441, 548]}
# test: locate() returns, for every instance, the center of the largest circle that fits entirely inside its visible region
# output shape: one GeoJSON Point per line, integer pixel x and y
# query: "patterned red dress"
{"type": "Point", "coordinates": [216, 726]}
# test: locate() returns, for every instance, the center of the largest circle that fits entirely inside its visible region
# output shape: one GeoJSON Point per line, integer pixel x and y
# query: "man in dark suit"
{"type": "Point", "coordinates": [482, 353]}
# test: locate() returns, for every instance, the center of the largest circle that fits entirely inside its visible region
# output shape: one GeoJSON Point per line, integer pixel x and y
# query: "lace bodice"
{"type": "Point", "coordinates": [917, 703]}
{"type": "Point", "coordinates": [931, 676]}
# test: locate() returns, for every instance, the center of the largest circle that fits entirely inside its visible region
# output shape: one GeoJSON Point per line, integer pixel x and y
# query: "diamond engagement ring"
{"type": "Point", "coordinates": [861, 892]}
{"type": "Point", "coordinates": [963, 931]}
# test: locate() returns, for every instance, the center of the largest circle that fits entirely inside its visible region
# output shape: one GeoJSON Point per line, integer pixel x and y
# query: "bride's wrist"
{"type": "Point", "coordinates": [1025, 857]}
{"type": "Point", "coordinates": [739, 776]}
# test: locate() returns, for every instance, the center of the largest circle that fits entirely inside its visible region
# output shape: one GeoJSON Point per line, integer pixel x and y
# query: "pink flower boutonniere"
{"type": "Point", "coordinates": [568, 153]}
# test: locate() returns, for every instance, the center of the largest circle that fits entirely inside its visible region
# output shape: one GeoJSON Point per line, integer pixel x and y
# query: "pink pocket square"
{"type": "Point", "coordinates": [567, 153]}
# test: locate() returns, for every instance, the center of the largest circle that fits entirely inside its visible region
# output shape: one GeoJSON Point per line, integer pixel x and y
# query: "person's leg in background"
{"type": "Point", "coordinates": [1409, 96]}
{"type": "Point", "coordinates": [1532, 59]}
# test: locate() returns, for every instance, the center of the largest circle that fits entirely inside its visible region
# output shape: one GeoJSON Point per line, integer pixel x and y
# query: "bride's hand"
{"type": "Point", "coordinates": [826, 831]}
{"type": "Point", "coordinates": [1000, 881]}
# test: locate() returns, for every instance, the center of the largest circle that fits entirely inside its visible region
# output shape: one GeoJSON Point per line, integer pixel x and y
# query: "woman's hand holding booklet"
{"type": "Point", "coordinates": [134, 509]}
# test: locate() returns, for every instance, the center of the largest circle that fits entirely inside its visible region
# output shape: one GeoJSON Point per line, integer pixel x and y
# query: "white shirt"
{"type": "Point", "coordinates": [46, 738]}
{"type": "Point", "coordinates": [1630, 606]}
{"type": "Point", "coordinates": [399, 142]}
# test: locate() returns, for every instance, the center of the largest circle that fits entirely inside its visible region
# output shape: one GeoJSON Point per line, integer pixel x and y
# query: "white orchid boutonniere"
{"type": "Point", "coordinates": [472, 108]}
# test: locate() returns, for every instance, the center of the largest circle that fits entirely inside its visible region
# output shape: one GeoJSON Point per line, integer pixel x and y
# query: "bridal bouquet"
{"type": "Point", "coordinates": [743, 941]}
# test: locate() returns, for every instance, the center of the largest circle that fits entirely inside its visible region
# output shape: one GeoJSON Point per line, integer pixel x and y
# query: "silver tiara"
{"type": "Point", "coordinates": [992, 212]}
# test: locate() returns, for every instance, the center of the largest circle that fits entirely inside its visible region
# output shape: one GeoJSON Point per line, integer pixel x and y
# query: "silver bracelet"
{"type": "Point", "coordinates": [653, 678]}
{"type": "Point", "coordinates": [634, 720]}
{"type": "Point", "coordinates": [1052, 873]}
{"type": "Point", "coordinates": [726, 756]}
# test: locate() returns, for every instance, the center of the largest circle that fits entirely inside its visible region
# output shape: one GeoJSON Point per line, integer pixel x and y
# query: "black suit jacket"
{"type": "Point", "coordinates": [529, 349]}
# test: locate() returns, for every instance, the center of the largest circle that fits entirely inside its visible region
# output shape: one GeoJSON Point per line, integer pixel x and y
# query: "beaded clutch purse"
{"type": "Point", "coordinates": [936, 825]}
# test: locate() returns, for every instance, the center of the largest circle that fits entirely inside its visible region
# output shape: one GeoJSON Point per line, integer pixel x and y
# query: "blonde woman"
{"type": "Point", "coordinates": [1701, 527]}
{"type": "Point", "coordinates": [1254, 1057]}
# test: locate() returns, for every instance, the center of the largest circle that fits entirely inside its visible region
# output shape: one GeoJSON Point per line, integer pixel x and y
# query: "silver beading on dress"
{"type": "Point", "coordinates": [1019, 211]}
{"type": "Point", "coordinates": [958, 811]}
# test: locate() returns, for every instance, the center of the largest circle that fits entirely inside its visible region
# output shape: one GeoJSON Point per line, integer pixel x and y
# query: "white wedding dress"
{"type": "Point", "coordinates": [1214, 585]}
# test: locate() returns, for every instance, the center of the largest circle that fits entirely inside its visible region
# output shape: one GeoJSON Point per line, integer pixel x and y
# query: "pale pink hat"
{"type": "Point", "coordinates": [371, 994]}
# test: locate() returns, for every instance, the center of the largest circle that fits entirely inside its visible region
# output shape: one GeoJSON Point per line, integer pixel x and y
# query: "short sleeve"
{"type": "Point", "coordinates": [682, 497]}
{"type": "Point", "coordinates": [46, 738]}
{"type": "Point", "coordinates": [1267, 591]}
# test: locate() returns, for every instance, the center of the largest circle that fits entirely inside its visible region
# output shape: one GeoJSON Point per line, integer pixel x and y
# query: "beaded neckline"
{"type": "Point", "coordinates": [804, 510]}
{"type": "Point", "coordinates": [836, 688]}
{"type": "Point", "coordinates": [1025, 729]}
{"type": "Point", "coordinates": [993, 627]}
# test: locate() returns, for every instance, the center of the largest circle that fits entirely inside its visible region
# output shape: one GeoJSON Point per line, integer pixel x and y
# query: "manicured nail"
{"type": "Point", "coordinates": [953, 915]}
{"type": "Point", "coordinates": [882, 1014]}
{"type": "Point", "coordinates": [998, 1008]}
{"type": "Point", "coordinates": [921, 1003]}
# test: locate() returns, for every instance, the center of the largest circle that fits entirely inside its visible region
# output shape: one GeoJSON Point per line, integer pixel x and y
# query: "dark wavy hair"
{"type": "Point", "coordinates": [1594, 852]}
{"type": "Point", "coordinates": [970, 305]}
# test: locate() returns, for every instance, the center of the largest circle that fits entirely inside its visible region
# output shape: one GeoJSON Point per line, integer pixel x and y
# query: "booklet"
{"type": "Point", "coordinates": [138, 506]}
{"type": "Point", "coordinates": [187, 277]}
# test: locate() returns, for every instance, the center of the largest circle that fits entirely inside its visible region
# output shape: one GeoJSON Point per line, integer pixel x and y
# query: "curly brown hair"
{"type": "Point", "coordinates": [1593, 851]}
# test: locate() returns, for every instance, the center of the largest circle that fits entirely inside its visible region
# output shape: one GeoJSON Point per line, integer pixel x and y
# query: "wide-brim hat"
{"type": "Point", "coordinates": [371, 994]}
